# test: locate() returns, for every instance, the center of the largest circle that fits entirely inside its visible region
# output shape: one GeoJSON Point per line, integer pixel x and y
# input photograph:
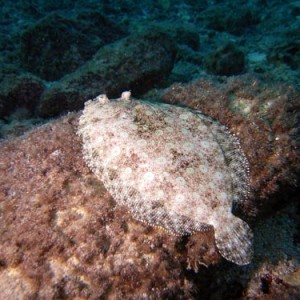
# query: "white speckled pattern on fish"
{"type": "Point", "coordinates": [172, 167]}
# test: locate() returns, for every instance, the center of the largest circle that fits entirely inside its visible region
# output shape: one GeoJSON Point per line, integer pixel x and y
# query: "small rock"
{"type": "Point", "coordinates": [137, 62]}
{"type": "Point", "coordinates": [226, 60]}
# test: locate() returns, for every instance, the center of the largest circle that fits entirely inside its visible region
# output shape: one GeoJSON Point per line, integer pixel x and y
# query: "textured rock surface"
{"type": "Point", "coordinates": [172, 167]}
{"type": "Point", "coordinates": [57, 45]}
{"type": "Point", "coordinates": [137, 62]}
{"type": "Point", "coordinates": [226, 60]}
{"type": "Point", "coordinates": [20, 91]}
{"type": "Point", "coordinates": [62, 236]}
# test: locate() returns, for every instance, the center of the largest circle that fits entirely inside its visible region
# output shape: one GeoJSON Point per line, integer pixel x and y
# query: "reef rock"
{"type": "Point", "coordinates": [137, 62]}
{"type": "Point", "coordinates": [57, 45]}
{"type": "Point", "coordinates": [62, 235]}
{"type": "Point", "coordinates": [19, 91]}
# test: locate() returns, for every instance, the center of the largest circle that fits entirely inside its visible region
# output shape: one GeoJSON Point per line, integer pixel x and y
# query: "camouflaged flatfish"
{"type": "Point", "coordinates": [172, 167]}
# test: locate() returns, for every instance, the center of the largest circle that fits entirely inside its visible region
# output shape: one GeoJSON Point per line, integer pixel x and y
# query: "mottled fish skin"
{"type": "Point", "coordinates": [173, 167]}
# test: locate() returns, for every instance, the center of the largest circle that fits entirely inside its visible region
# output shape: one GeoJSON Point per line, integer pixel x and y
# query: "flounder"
{"type": "Point", "coordinates": [171, 166]}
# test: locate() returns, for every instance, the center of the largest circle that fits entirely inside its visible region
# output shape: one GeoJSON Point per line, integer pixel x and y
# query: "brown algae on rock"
{"type": "Point", "coordinates": [171, 166]}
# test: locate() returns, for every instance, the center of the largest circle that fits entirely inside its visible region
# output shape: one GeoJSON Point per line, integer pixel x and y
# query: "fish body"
{"type": "Point", "coordinates": [171, 166]}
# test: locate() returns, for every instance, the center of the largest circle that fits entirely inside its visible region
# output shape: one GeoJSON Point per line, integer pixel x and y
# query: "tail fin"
{"type": "Point", "coordinates": [234, 242]}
